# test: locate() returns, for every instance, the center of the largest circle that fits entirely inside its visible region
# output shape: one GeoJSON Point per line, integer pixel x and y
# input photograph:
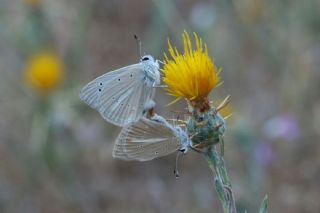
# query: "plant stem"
{"type": "Point", "coordinates": [221, 179]}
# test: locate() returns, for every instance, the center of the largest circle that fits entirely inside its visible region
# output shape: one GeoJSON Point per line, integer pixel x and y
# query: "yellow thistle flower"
{"type": "Point", "coordinates": [33, 3]}
{"type": "Point", "coordinates": [44, 72]}
{"type": "Point", "coordinates": [191, 75]}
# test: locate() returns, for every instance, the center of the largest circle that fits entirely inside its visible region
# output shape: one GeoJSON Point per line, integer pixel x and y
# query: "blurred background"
{"type": "Point", "coordinates": [55, 151]}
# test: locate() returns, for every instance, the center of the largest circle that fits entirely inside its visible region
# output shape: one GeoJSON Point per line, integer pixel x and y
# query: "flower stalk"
{"type": "Point", "coordinates": [207, 130]}
{"type": "Point", "coordinates": [222, 182]}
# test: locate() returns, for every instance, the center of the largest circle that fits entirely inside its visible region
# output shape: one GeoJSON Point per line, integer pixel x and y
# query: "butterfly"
{"type": "Point", "coordinates": [150, 138]}
{"type": "Point", "coordinates": [123, 95]}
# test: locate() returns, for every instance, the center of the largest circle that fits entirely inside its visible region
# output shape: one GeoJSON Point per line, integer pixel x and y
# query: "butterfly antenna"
{"type": "Point", "coordinates": [138, 41]}
{"type": "Point", "coordinates": [176, 172]}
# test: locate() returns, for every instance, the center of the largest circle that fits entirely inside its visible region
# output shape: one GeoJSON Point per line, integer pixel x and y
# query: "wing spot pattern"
{"type": "Point", "coordinates": [119, 106]}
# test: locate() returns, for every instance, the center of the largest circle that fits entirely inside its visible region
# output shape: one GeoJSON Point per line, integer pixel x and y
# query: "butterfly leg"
{"type": "Point", "coordinates": [160, 86]}
{"type": "Point", "coordinates": [159, 61]}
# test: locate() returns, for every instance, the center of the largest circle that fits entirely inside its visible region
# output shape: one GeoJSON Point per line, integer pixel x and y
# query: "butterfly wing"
{"type": "Point", "coordinates": [145, 140]}
{"type": "Point", "coordinates": [120, 95]}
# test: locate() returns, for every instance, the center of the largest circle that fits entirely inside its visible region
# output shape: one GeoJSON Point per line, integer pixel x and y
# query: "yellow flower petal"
{"type": "Point", "coordinates": [191, 75]}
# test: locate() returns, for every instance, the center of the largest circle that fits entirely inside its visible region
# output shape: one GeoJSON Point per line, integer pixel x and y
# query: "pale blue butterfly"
{"type": "Point", "coordinates": [150, 138]}
{"type": "Point", "coordinates": [123, 95]}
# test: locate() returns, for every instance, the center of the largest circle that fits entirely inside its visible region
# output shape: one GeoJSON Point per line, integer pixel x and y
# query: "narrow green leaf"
{"type": "Point", "coordinates": [264, 205]}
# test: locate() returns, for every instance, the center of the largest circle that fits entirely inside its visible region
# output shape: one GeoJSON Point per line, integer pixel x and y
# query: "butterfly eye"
{"type": "Point", "coordinates": [182, 150]}
{"type": "Point", "coordinates": [145, 58]}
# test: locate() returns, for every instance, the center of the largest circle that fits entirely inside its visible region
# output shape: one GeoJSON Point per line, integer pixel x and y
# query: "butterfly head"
{"type": "Point", "coordinates": [185, 141]}
{"type": "Point", "coordinates": [147, 58]}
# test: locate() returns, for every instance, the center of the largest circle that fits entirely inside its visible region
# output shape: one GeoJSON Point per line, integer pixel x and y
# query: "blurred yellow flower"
{"type": "Point", "coordinates": [44, 72]}
{"type": "Point", "coordinates": [33, 3]}
{"type": "Point", "coordinates": [191, 75]}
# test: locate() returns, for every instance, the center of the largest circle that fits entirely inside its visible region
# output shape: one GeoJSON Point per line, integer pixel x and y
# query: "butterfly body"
{"type": "Point", "coordinates": [151, 69]}
{"type": "Point", "coordinates": [121, 96]}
